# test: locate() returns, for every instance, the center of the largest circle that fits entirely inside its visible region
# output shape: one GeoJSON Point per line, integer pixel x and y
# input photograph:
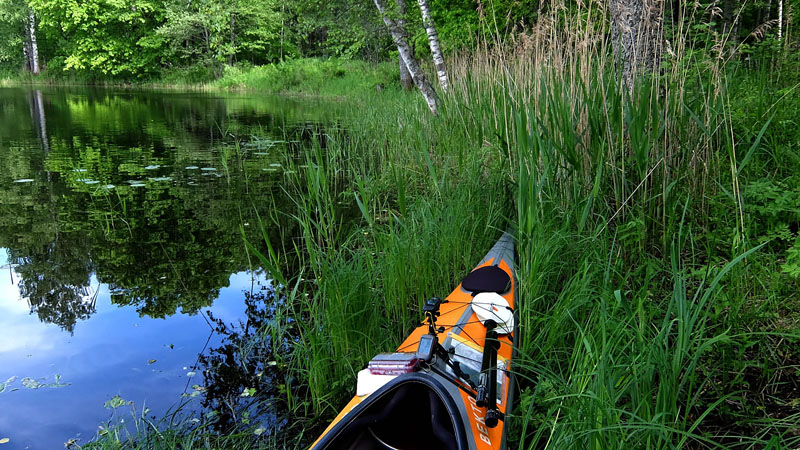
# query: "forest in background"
{"type": "Point", "coordinates": [194, 41]}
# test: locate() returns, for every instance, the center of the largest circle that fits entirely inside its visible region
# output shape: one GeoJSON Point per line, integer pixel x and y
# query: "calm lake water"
{"type": "Point", "coordinates": [122, 215]}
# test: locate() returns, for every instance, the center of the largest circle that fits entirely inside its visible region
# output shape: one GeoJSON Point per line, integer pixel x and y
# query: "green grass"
{"type": "Point", "coordinates": [306, 77]}
{"type": "Point", "coordinates": [654, 232]}
{"type": "Point", "coordinates": [315, 77]}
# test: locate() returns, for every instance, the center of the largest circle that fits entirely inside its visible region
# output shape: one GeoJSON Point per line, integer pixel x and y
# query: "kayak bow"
{"type": "Point", "coordinates": [447, 386]}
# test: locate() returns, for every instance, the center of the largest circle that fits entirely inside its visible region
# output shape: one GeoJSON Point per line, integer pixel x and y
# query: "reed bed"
{"type": "Point", "coordinates": [647, 321]}
{"type": "Point", "coordinates": [657, 307]}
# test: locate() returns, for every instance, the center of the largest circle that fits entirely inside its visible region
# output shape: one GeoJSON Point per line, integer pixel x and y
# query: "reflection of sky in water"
{"type": "Point", "coordinates": [107, 355]}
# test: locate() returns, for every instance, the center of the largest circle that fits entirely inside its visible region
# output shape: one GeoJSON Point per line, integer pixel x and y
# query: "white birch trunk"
{"type": "Point", "coordinates": [26, 53]}
{"type": "Point", "coordinates": [780, 20]}
{"type": "Point", "coordinates": [400, 38]}
{"type": "Point", "coordinates": [433, 41]}
{"type": "Point", "coordinates": [405, 78]}
{"type": "Point", "coordinates": [34, 53]}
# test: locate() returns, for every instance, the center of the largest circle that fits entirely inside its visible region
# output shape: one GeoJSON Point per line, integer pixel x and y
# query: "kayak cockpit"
{"type": "Point", "coordinates": [413, 411]}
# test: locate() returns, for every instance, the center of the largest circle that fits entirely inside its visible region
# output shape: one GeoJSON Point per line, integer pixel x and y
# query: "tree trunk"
{"type": "Point", "coordinates": [768, 11]}
{"type": "Point", "coordinates": [233, 42]}
{"type": "Point", "coordinates": [400, 38]}
{"type": "Point", "coordinates": [26, 53]}
{"type": "Point", "coordinates": [780, 20]}
{"type": "Point", "coordinates": [433, 40]}
{"type": "Point", "coordinates": [405, 77]}
{"type": "Point", "coordinates": [636, 37]}
{"type": "Point", "coordinates": [727, 17]}
{"type": "Point", "coordinates": [34, 48]}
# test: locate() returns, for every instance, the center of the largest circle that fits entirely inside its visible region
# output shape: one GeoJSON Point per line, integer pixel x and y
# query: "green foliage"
{"type": "Point", "coordinates": [215, 33]}
{"type": "Point", "coordinates": [792, 265]}
{"type": "Point", "coordinates": [774, 206]}
{"type": "Point", "coordinates": [13, 17]}
{"type": "Point", "coordinates": [103, 37]}
{"type": "Point", "coordinates": [311, 77]}
{"type": "Point", "coordinates": [629, 303]}
{"type": "Point", "coordinates": [343, 28]}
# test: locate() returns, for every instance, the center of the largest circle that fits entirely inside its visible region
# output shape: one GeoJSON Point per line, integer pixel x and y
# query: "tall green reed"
{"type": "Point", "coordinates": [609, 193]}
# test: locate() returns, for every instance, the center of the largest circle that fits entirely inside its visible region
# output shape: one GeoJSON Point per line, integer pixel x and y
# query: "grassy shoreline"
{"type": "Point", "coordinates": [657, 242]}
{"type": "Point", "coordinates": [310, 77]}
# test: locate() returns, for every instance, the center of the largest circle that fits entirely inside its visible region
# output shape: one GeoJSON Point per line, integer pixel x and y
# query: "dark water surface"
{"type": "Point", "coordinates": [121, 223]}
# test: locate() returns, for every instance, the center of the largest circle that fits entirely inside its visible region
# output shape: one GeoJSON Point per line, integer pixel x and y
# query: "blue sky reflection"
{"type": "Point", "coordinates": [109, 354]}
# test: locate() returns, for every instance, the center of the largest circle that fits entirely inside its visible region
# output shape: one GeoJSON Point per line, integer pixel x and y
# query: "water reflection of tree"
{"type": "Point", "coordinates": [55, 280]}
{"type": "Point", "coordinates": [164, 247]}
{"type": "Point", "coordinates": [243, 379]}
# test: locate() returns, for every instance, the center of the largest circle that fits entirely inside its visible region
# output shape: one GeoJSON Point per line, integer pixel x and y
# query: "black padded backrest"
{"type": "Point", "coordinates": [487, 279]}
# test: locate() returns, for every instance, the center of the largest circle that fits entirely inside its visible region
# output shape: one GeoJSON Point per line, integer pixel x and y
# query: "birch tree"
{"type": "Point", "coordinates": [636, 37]}
{"type": "Point", "coordinates": [33, 47]}
{"type": "Point", "coordinates": [405, 77]}
{"type": "Point", "coordinates": [433, 41]}
{"type": "Point", "coordinates": [400, 39]}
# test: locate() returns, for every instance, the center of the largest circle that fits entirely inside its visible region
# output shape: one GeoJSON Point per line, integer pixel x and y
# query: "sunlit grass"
{"type": "Point", "coordinates": [651, 315]}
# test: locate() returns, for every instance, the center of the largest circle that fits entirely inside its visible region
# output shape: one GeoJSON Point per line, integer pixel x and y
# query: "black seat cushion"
{"type": "Point", "coordinates": [487, 279]}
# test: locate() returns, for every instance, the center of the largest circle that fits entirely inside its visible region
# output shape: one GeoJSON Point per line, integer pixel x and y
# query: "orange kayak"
{"type": "Point", "coordinates": [448, 385]}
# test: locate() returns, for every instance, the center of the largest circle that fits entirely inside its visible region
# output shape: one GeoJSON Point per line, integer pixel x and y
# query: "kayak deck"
{"type": "Point", "coordinates": [372, 420]}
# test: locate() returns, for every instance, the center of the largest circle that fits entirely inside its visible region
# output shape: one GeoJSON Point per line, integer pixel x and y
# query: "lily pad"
{"type": "Point", "coordinates": [161, 179]}
{"type": "Point", "coordinates": [209, 169]}
{"type": "Point", "coordinates": [24, 180]}
{"type": "Point", "coordinates": [115, 402]}
{"type": "Point", "coordinates": [275, 165]}
{"type": "Point", "coordinates": [4, 385]}
{"type": "Point", "coordinates": [152, 167]}
{"type": "Point", "coordinates": [58, 382]}
{"type": "Point", "coordinates": [109, 186]}
{"type": "Point", "coordinates": [191, 167]}
{"type": "Point", "coordinates": [90, 181]}
{"type": "Point", "coordinates": [30, 383]}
